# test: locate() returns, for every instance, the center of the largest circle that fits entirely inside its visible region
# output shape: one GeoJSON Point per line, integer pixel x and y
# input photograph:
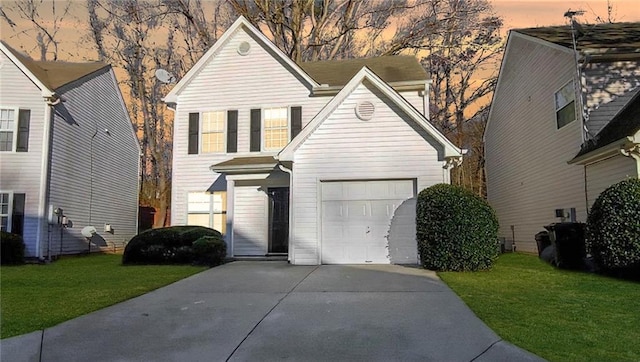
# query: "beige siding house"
{"type": "Point", "coordinates": [69, 156]}
{"type": "Point", "coordinates": [554, 139]}
{"type": "Point", "coordinates": [318, 162]}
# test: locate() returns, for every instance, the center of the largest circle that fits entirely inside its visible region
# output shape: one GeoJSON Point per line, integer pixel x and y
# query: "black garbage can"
{"type": "Point", "coordinates": [543, 241]}
{"type": "Point", "coordinates": [569, 243]}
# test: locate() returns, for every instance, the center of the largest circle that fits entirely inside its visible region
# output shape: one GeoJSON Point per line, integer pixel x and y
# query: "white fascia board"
{"type": "Point", "coordinates": [123, 105]}
{"type": "Point", "coordinates": [601, 153]}
{"type": "Point", "coordinates": [365, 73]}
{"type": "Point", "coordinates": [541, 41]}
{"type": "Point", "coordinates": [45, 91]}
{"type": "Point", "coordinates": [172, 96]}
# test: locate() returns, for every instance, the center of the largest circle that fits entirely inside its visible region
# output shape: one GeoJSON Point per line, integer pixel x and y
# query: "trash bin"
{"type": "Point", "coordinates": [543, 241]}
{"type": "Point", "coordinates": [568, 241]}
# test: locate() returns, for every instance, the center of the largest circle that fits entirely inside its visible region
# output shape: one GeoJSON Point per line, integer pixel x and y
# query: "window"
{"type": "Point", "coordinates": [213, 127]}
{"type": "Point", "coordinates": [7, 128]}
{"type": "Point", "coordinates": [12, 212]}
{"type": "Point", "coordinates": [5, 216]}
{"type": "Point", "coordinates": [207, 209]}
{"type": "Point", "coordinates": [276, 128]}
{"type": "Point", "coordinates": [565, 105]}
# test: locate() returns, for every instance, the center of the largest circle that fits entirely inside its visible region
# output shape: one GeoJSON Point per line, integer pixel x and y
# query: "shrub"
{"type": "Point", "coordinates": [613, 228]}
{"type": "Point", "coordinates": [11, 249]}
{"type": "Point", "coordinates": [456, 230]}
{"type": "Point", "coordinates": [209, 250]}
{"type": "Point", "coordinates": [171, 245]}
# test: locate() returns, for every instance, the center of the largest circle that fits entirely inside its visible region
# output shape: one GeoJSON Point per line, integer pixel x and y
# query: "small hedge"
{"type": "Point", "coordinates": [176, 245]}
{"type": "Point", "coordinates": [11, 249]}
{"type": "Point", "coordinates": [613, 228]}
{"type": "Point", "coordinates": [456, 230]}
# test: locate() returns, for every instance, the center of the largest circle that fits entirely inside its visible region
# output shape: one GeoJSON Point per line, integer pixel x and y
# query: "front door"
{"type": "Point", "coordinates": [278, 220]}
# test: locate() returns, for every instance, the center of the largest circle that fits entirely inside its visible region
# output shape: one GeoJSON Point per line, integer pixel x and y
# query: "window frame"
{"type": "Point", "coordinates": [223, 132]}
{"type": "Point", "coordinates": [16, 120]}
{"type": "Point", "coordinates": [557, 110]}
{"type": "Point", "coordinates": [263, 129]}
{"type": "Point", "coordinates": [212, 208]}
{"type": "Point", "coordinates": [9, 214]}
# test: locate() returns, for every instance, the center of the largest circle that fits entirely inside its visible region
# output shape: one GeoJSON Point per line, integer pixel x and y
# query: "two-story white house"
{"type": "Point", "coordinates": [69, 156]}
{"type": "Point", "coordinates": [563, 126]}
{"type": "Point", "coordinates": [318, 161]}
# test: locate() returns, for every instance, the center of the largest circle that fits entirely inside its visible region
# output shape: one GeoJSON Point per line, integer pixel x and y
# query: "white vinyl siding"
{"type": "Point", "coordinates": [94, 173]}
{"type": "Point", "coordinates": [605, 173]}
{"type": "Point", "coordinates": [213, 135]}
{"type": "Point", "coordinates": [250, 223]}
{"type": "Point", "coordinates": [241, 83]}
{"type": "Point", "coordinates": [526, 155]}
{"type": "Point", "coordinates": [21, 171]}
{"type": "Point", "coordinates": [275, 131]}
{"type": "Point", "coordinates": [8, 128]}
{"type": "Point", "coordinates": [346, 148]}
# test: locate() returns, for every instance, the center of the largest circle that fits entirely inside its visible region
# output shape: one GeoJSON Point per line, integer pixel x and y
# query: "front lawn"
{"type": "Point", "coordinates": [40, 296]}
{"type": "Point", "coordinates": [556, 314]}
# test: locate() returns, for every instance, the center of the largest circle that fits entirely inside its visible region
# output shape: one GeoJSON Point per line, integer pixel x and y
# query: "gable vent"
{"type": "Point", "coordinates": [365, 110]}
{"type": "Point", "coordinates": [244, 48]}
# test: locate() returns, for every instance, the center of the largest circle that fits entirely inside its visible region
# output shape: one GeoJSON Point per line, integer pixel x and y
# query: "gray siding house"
{"type": "Point", "coordinates": [319, 162]}
{"type": "Point", "coordinates": [69, 156]}
{"type": "Point", "coordinates": [563, 124]}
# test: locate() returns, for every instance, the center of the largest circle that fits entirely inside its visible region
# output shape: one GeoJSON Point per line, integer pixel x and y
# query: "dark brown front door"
{"type": "Point", "coordinates": [278, 219]}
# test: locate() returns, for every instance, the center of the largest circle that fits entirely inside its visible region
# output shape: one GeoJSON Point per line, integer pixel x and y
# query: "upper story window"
{"type": "Point", "coordinates": [276, 128]}
{"type": "Point", "coordinates": [8, 125]}
{"type": "Point", "coordinates": [213, 135]}
{"type": "Point", "coordinates": [14, 129]}
{"type": "Point", "coordinates": [565, 101]}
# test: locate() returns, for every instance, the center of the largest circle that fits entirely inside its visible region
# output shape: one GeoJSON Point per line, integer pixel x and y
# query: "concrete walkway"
{"type": "Point", "coordinates": [263, 311]}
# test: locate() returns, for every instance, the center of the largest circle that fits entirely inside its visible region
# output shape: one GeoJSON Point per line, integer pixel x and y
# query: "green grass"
{"type": "Point", "coordinates": [40, 296]}
{"type": "Point", "coordinates": [556, 314]}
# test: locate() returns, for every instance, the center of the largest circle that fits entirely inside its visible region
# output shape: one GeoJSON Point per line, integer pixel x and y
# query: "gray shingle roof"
{"type": "Point", "coordinates": [625, 123]}
{"type": "Point", "coordinates": [56, 74]}
{"type": "Point", "coordinates": [399, 68]}
{"type": "Point", "coordinates": [597, 38]}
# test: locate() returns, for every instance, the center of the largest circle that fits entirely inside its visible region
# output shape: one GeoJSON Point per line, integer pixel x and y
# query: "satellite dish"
{"type": "Point", "coordinates": [164, 76]}
{"type": "Point", "coordinates": [88, 231]}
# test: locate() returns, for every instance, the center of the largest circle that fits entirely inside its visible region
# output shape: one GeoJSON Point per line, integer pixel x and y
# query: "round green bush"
{"type": "Point", "coordinates": [209, 250]}
{"type": "Point", "coordinates": [613, 227]}
{"type": "Point", "coordinates": [455, 229]}
{"type": "Point", "coordinates": [170, 245]}
{"type": "Point", "coordinates": [11, 249]}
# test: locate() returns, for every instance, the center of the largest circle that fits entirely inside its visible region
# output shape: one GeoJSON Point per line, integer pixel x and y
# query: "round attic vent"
{"type": "Point", "coordinates": [244, 48]}
{"type": "Point", "coordinates": [365, 110]}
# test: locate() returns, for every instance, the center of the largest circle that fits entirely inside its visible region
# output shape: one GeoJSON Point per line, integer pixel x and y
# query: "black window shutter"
{"type": "Point", "coordinates": [256, 125]}
{"type": "Point", "coordinates": [194, 128]}
{"type": "Point", "coordinates": [17, 214]}
{"type": "Point", "coordinates": [232, 131]}
{"type": "Point", "coordinates": [24, 117]}
{"type": "Point", "coordinates": [296, 121]}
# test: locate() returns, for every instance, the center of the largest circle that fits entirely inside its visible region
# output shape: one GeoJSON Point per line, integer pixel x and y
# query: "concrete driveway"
{"type": "Point", "coordinates": [263, 311]}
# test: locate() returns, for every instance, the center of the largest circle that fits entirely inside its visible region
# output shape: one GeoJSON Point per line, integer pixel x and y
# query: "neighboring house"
{"type": "Point", "coordinates": [66, 145]}
{"type": "Point", "coordinates": [552, 147]}
{"type": "Point", "coordinates": [320, 162]}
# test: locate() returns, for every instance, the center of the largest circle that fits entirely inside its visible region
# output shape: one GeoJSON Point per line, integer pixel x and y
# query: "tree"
{"type": "Point", "coordinates": [46, 22]}
{"type": "Point", "coordinates": [139, 38]}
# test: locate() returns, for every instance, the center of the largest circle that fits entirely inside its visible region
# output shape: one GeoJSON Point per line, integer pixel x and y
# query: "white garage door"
{"type": "Point", "coordinates": [356, 217]}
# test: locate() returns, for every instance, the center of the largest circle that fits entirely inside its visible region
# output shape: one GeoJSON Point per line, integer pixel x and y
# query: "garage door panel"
{"type": "Point", "coordinates": [356, 219]}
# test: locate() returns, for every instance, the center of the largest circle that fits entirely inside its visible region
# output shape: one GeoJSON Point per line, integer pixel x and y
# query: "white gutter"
{"type": "Point", "coordinates": [44, 172]}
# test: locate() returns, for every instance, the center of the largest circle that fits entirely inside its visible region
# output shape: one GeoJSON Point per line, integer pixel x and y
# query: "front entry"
{"type": "Point", "coordinates": [278, 220]}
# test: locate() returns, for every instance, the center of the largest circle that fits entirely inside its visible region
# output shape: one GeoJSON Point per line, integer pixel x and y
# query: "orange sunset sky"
{"type": "Point", "coordinates": [516, 14]}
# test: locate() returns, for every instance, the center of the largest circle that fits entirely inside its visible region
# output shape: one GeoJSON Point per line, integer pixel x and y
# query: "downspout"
{"type": "Point", "coordinates": [44, 172]}
{"type": "Point", "coordinates": [291, 228]}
